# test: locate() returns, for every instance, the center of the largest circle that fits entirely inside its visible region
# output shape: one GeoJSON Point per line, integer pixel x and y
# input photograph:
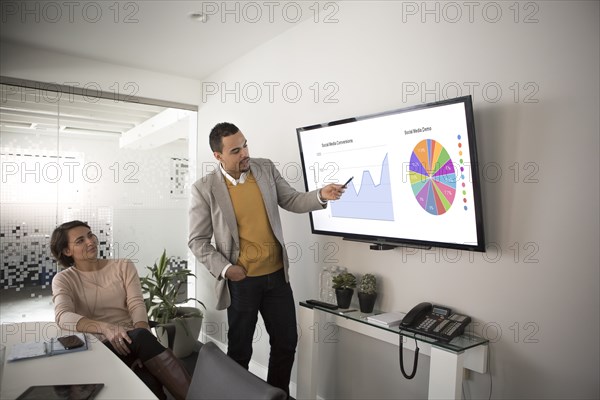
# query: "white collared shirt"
{"type": "Point", "coordinates": [231, 179]}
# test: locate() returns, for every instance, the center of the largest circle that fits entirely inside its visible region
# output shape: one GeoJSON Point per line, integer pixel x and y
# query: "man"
{"type": "Point", "coordinates": [238, 204]}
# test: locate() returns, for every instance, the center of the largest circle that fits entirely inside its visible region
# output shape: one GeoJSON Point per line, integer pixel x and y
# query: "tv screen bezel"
{"type": "Point", "coordinates": [385, 242]}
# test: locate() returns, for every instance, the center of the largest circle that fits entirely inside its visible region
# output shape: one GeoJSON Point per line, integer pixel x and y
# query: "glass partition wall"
{"type": "Point", "coordinates": [124, 167]}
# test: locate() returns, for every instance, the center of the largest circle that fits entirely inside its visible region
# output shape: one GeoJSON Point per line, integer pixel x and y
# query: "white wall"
{"type": "Point", "coordinates": [540, 277]}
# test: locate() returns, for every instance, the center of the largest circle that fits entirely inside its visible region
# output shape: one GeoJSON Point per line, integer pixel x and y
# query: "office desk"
{"type": "Point", "coordinates": [447, 360]}
{"type": "Point", "coordinates": [95, 365]}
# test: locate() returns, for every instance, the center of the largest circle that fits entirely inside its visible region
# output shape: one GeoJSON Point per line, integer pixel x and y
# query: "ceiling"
{"type": "Point", "coordinates": [152, 35]}
{"type": "Point", "coordinates": [26, 111]}
{"type": "Point", "coordinates": [160, 36]}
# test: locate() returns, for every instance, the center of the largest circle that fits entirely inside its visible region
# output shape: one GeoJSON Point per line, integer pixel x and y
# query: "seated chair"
{"type": "Point", "coordinates": [217, 376]}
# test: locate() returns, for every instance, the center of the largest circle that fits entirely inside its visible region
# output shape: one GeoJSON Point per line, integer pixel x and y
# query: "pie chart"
{"type": "Point", "coordinates": [432, 177]}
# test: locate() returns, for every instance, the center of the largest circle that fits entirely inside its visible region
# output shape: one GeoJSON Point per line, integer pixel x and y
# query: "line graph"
{"type": "Point", "coordinates": [370, 201]}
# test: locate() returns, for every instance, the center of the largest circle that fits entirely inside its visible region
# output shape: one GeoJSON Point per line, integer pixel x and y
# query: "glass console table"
{"type": "Point", "coordinates": [447, 360]}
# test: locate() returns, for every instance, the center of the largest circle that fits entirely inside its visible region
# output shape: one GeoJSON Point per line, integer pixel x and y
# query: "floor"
{"type": "Point", "coordinates": [26, 306]}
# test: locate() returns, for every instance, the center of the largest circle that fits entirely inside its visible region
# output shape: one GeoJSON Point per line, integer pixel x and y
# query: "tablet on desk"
{"type": "Point", "coordinates": [62, 392]}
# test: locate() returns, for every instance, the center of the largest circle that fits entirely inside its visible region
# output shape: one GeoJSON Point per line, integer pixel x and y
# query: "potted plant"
{"type": "Point", "coordinates": [344, 285]}
{"type": "Point", "coordinates": [367, 293]}
{"type": "Point", "coordinates": [177, 327]}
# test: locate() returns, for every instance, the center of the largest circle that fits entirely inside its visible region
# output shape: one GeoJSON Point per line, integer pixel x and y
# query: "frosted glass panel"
{"type": "Point", "coordinates": [121, 167]}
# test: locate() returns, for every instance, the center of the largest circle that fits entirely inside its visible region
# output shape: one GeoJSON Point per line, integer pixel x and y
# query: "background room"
{"type": "Point", "coordinates": [121, 166]}
{"type": "Point", "coordinates": [533, 70]}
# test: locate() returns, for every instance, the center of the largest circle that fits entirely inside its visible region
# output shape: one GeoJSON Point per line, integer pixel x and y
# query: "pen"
{"type": "Point", "coordinates": [348, 181]}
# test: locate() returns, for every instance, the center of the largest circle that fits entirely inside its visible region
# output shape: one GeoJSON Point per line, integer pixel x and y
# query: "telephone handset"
{"type": "Point", "coordinates": [437, 322]}
{"type": "Point", "coordinates": [415, 313]}
{"type": "Point", "coordinates": [434, 321]}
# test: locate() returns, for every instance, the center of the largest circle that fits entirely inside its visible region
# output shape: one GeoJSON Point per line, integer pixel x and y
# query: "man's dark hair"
{"type": "Point", "coordinates": [218, 133]}
{"type": "Point", "coordinates": [60, 241]}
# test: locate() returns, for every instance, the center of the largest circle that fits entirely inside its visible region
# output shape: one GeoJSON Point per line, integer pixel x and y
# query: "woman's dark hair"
{"type": "Point", "coordinates": [217, 134]}
{"type": "Point", "coordinates": [60, 241]}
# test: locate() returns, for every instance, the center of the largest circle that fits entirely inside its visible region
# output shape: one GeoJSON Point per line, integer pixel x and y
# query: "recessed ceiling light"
{"type": "Point", "coordinates": [199, 16]}
{"type": "Point", "coordinates": [14, 124]}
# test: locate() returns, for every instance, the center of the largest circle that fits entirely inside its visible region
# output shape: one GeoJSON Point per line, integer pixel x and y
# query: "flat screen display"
{"type": "Point", "coordinates": [414, 176]}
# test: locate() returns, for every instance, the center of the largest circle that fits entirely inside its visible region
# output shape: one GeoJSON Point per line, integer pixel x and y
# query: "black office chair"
{"type": "Point", "coordinates": [217, 376]}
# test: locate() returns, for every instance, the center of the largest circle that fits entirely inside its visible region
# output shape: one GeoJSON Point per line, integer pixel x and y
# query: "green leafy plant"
{"type": "Point", "coordinates": [367, 284]}
{"type": "Point", "coordinates": [345, 280]}
{"type": "Point", "coordinates": [161, 287]}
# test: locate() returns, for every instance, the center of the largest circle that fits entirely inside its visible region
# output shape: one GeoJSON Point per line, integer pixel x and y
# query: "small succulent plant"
{"type": "Point", "coordinates": [345, 280]}
{"type": "Point", "coordinates": [368, 284]}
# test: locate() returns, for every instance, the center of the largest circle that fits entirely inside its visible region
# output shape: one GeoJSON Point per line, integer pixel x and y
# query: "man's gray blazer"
{"type": "Point", "coordinates": [211, 214]}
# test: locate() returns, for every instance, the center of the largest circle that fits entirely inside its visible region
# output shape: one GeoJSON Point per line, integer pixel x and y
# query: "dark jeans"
{"type": "Point", "coordinates": [144, 346]}
{"type": "Point", "coordinates": [272, 296]}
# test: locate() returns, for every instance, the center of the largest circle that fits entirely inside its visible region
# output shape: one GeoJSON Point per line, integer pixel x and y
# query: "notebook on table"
{"type": "Point", "coordinates": [52, 347]}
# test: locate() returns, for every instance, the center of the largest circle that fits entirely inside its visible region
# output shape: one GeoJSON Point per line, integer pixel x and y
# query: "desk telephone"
{"type": "Point", "coordinates": [437, 322]}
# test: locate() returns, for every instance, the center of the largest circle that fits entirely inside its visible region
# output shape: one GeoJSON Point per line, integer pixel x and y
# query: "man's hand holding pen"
{"type": "Point", "coordinates": [333, 191]}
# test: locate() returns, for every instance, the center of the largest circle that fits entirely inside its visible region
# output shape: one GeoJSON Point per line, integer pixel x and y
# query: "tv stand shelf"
{"type": "Point", "coordinates": [446, 364]}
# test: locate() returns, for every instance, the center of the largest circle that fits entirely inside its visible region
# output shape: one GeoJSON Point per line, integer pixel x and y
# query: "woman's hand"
{"type": "Point", "coordinates": [118, 338]}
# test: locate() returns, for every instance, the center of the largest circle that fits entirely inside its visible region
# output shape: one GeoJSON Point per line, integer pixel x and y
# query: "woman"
{"type": "Point", "coordinates": [104, 297]}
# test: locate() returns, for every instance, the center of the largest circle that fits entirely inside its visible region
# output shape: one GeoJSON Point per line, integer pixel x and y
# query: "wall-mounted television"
{"type": "Point", "coordinates": [415, 176]}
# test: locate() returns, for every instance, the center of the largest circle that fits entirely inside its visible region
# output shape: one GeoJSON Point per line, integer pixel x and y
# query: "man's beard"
{"type": "Point", "coordinates": [245, 162]}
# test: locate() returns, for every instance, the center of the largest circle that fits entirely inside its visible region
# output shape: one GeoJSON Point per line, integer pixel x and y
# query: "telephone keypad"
{"type": "Point", "coordinates": [427, 324]}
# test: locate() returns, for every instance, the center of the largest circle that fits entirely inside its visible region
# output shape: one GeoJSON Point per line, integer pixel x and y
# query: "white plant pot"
{"type": "Point", "coordinates": [187, 331]}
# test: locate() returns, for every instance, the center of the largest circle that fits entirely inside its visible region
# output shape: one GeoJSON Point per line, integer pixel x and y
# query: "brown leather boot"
{"type": "Point", "coordinates": [170, 372]}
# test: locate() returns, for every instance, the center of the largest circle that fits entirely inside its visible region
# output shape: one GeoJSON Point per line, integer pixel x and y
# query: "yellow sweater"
{"type": "Point", "coordinates": [260, 252]}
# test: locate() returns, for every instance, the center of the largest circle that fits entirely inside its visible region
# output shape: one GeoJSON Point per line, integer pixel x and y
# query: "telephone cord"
{"type": "Point", "coordinates": [415, 362]}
